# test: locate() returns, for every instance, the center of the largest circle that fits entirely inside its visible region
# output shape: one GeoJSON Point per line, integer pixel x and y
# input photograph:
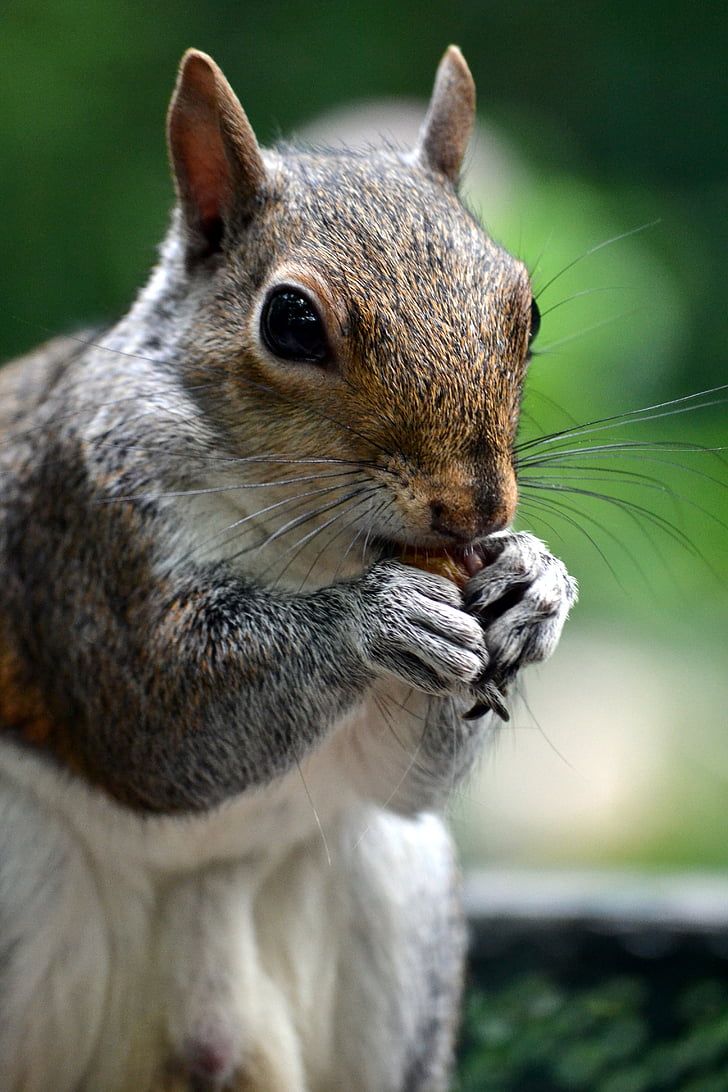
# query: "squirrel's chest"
{"type": "Point", "coordinates": [151, 953]}
{"type": "Point", "coordinates": [130, 978]}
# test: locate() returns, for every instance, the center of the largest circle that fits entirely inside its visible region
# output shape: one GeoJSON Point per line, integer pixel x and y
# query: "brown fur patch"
{"type": "Point", "coordinates": [25, 714]}
{"type": "Point", "coordinates": [23, 711]}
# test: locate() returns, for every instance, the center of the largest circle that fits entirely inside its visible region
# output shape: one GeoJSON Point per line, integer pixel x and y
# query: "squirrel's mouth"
{"type": "Point", "coordinates": [456, 563]}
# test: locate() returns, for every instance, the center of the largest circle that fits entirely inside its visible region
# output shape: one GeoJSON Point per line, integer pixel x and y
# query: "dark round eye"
{"type": "Point", "coordinates": [291, 327]}
{"type": "Point", "coordinates": [535, 321]}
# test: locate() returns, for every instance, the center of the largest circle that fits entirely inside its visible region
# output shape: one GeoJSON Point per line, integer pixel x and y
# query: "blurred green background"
{"type": "Point", "coordinates": [600, 118]}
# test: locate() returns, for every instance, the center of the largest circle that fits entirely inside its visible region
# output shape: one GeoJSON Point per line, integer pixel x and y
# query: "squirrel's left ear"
{"type": "Point", "coordinates": [217, 163]}
{"type": "Point", "coordinates": [449, 122]}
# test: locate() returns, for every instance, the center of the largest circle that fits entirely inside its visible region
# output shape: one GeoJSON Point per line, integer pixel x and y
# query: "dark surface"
{"type": "Point", "coordinates": [595, 1007]}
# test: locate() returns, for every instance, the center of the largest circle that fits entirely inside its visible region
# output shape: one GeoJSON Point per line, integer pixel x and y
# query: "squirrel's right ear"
{"type": "Point", "coordinates": [449, 122]}
{"type": "Point", "coordinates": [217, 163]}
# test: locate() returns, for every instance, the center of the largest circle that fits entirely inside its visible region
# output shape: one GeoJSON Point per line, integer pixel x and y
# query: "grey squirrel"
{"type": "Point", "coordinates": [260, 608]}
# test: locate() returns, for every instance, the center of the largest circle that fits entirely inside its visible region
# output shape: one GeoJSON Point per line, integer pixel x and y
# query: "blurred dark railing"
{"type": "Point", "coordinates": [596, 982]}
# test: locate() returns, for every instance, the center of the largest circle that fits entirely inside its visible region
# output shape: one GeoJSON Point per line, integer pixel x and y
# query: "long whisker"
{"type": "Point", "coordinates": [342, 560]}
{"type": "Point", "coordinates": [570, 470]}
{"type": "Point", "coordinates": [314, 810]}
{"type": "Point", "coordinates": [233, 487]}
{"type": "Point", "coordinates": [571, 465]}
{"type": "Point", "coordinates": [533, 268]}
{"type": "Point", "coordinates": [687, 404]}
{"type": "Point", "coordinates": [632, 508]}
{"type": "Point", "coordinates": [302, 520]}
{"type": "Point", "coordinates": [299, 521]}
{"type": "Point", "coordinates": [593, 250]}
{"type": "Point", "coordinates": [546, 350]}
{"type": "Point", "coordinates": [643, 449]}
{"type": "Point", "coordinates": [577, 296]}
{"type": "Point", "coordinates": [293, 501]}
{"type": "Point", "coordinates": [576, 518]}
{"type": "Point", "coordinates": [353, 512]}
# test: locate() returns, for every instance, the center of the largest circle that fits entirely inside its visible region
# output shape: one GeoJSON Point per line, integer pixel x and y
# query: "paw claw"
{"type": "Point", "coordinates": [490, 701]}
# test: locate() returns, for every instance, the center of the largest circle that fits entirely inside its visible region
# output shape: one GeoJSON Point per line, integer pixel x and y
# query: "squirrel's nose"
{"type": "Point", "coordinates": [462, 526]}
{"type": "Point", "coordinates": [443, 522]}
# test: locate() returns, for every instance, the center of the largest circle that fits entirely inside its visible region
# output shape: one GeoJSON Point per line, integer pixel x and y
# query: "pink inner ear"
{"type": "Point", "coordinates": [217, 163]}
{"type": "Point", "coordinates": [204, 172]}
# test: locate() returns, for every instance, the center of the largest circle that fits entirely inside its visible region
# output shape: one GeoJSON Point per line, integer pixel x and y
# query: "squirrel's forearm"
{"type": "Point", "coordinates": [239, 684]}
{"type": "Point", "coordinates": [249, 680]}
{"type": "Point", "coordinates": [191, 696]}
{"type": "Point", "coordinates": [172, 686]}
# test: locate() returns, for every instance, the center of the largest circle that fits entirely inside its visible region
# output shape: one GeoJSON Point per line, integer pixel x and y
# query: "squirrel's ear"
{"type": "Point", "coordinates": [449, 122]}
{"type": "Point", "coordinates": [217, 163]}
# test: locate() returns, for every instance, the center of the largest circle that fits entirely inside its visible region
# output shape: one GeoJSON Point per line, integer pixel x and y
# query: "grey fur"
{"type": "Point", "coordinates": [152, 647]}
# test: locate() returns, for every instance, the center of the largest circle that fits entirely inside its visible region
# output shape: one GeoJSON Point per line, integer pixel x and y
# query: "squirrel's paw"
{"type": "Point", "coordinates": [412, 624]}
{"type": "Point", "coordinates": [521, 598]}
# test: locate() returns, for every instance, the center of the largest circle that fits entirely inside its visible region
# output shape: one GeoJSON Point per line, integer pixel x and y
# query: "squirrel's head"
{"type": "Point", "coordinates": [348, 307]}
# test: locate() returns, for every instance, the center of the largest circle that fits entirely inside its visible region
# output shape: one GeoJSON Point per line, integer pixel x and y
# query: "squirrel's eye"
{"type": "Point", "coordinates": [291, 328]}
{"type": "Point", "coordinates": [535, 321]}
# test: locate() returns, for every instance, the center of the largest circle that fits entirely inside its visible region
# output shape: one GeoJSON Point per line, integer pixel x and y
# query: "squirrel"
{"type": "Point", "coordinates": [261, 607]}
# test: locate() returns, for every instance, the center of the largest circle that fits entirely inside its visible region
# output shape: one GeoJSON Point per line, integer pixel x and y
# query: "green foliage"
{"type": "Point", "coordinates": [629, 99]}
{"type": "Point", "coordinates": [538, 1035]}
{"type": "Point", "coordinates": [616, 117]}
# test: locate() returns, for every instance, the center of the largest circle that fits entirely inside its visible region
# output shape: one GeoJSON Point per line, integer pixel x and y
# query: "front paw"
{"type": "Point", "coordinates": [521, 598]}
{"type": "Point", "coordinates": [411, 624]}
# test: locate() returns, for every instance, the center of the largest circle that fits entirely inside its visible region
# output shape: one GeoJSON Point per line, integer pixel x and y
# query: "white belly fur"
{"type": "Point", "coordinates": [227, 941]}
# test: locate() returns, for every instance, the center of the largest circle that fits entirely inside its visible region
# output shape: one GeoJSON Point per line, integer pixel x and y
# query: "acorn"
{"type": "Point", "coordinates": [458, 567]}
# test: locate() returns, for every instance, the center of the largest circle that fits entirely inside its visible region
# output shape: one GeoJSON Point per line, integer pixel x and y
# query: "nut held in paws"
{"type": "Point", "coordinates": [458, 566]}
